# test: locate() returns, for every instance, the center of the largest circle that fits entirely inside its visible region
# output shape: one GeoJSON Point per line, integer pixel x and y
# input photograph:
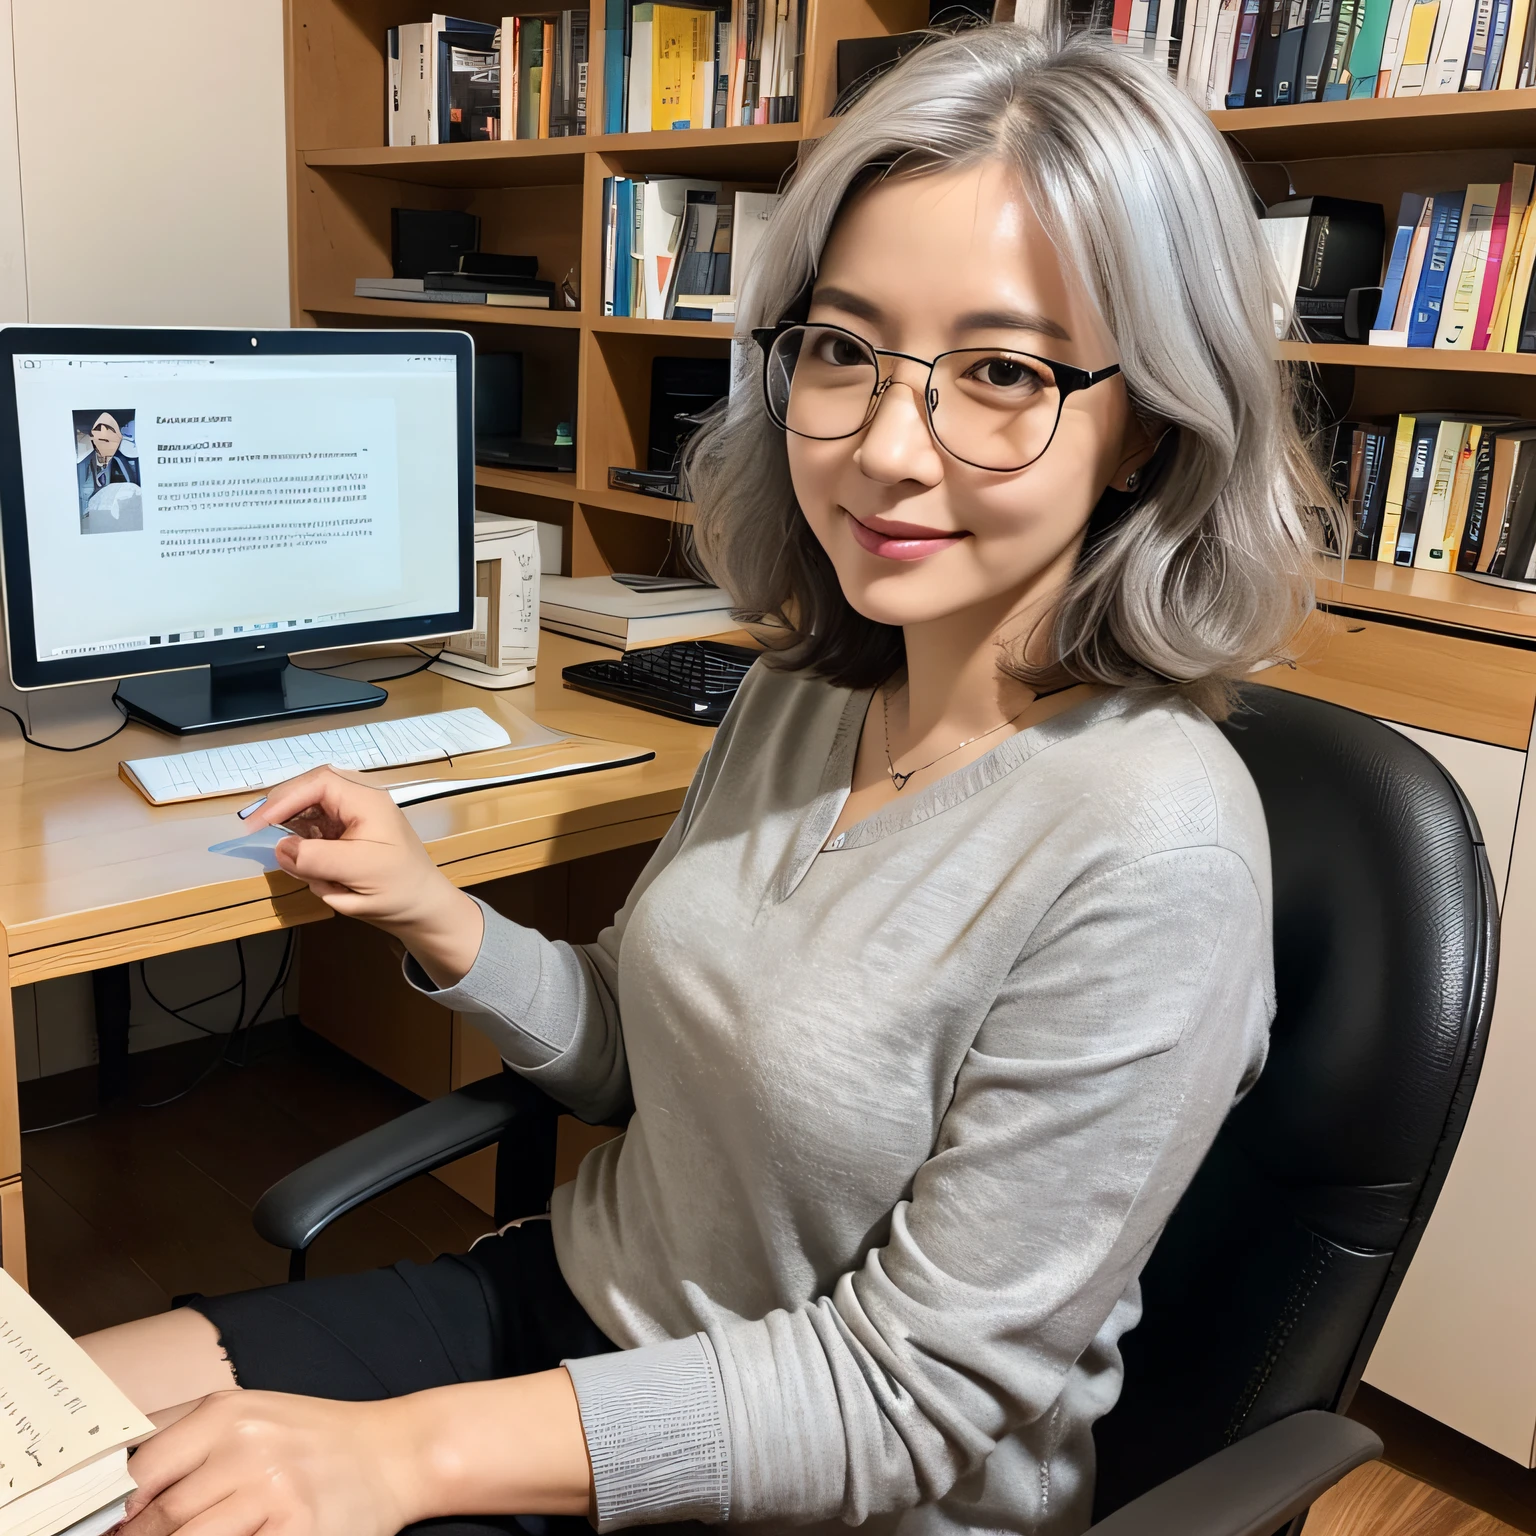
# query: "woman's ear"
{"type": "Point", "coordinates": [1142, 446]}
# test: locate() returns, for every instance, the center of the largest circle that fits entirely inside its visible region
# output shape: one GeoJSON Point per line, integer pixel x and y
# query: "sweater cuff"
{"type": "Point", "coordinates": [499, 989]}
{"type": "Point", "coordinates": [656, 1432]}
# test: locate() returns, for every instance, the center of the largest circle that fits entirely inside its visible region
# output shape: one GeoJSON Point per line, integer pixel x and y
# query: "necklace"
{"type": "Point", "coordinates": [900, 780]}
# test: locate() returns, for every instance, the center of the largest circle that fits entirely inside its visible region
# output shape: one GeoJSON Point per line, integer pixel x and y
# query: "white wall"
{"type": "Point", "coordinates": [142, 182]}
{"type": "Point", "coordinates": [150, 145]}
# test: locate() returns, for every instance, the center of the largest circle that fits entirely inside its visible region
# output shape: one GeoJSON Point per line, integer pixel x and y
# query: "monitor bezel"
{"type": "Point", "coordinates": [28, 671]}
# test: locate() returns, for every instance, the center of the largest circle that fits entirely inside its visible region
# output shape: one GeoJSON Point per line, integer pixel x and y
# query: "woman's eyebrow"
{"type": "Point", "coordinates": [1012, 320]}
{"type": "Point", "coordinates": [849, 303]}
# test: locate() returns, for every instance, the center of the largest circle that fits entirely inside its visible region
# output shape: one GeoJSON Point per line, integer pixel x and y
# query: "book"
{"type": "Point", "coordinates": [600, 609]}
{"type": "Point", "coordinates": [447, 32]}
{"type": "Point", "coordinates": [1478, 498]}
{"type": "Point", "coordinates": [663, 201]}
{"type": "Point", "coordinates": [1316, 51]}
{"type": "Point", "coordinates": [1376, 461]}
{"type": "Point", "coordinates": [1517, 539]}
{"type": "Point", "coordinates": [1444, 228]}
{"type": "Point", "coordinates": [67, 1427]}
{"type": "Point", "coordinates": [640, 68]}
{"type": "Point", "coordinates": [1243, 51]}
{"type": "Point", "coordinates": [1429, 546]}
{"type": "Point", "coordinates": [1426, 430]}
{"type": "Point", "coordinates": [1520, 279]}
{"type": "Point", "coordinates": [615, 75]}
{"type": "Point", "coordinates": [411, 117]}
{"type": "Point", "coordinates": [1410, 215]}
{"type": "Point", "coordinates": [1449, 56]}
{"type": "Point", "coordinates": [1218, 68]}
{"type": "Point", "coordinates": [1498, 238]}
{"type": "Point", "coordinates": [1490, 535]}
{"type": "Point", "coordinates": [544, 83]}
{"type": "Point", "coordinates": [1418, 40]}
{"type": "Point", "coordinates": [482, 282]}
{"type": "Point", "coordinates": [1461, 495]}
{"type": "Point", "coordinates": [1397, 480]}
{"type": "Point", "coordinates": [1477, 48]}
{"type": "Point", "coordinates": [568, 95]}
{"type": "Point", "coordinates": [1509, 67]}
{"type": "Point", "coordinates": [469, 86]}
{"type": "Point", "coordinates": [1393, 38]}
{"type": "Point", "coordinates": [1527, 342]}
{"type": "Point", "coordinates": [1519, 203]}
{"type": "Point", "coordinates": [682, 66]}
{"type": "Point", "coordinates": [370, 288]}
{"type": "Point", "coordinates": [1464, 278]}
{"type": "Point", "coordinates": [1335, 83]}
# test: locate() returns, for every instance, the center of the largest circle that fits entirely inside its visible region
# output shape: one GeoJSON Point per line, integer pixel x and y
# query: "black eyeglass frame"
{"type": "Point", "coordinates": [1069, 380]}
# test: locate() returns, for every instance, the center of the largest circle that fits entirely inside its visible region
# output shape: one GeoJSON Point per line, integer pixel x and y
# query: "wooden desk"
{"type": "Point", "coordinates": [92, 875]}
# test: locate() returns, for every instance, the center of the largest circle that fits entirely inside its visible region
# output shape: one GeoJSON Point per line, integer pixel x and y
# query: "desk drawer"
{"type": "Point", "coordinates": [1460, 687]}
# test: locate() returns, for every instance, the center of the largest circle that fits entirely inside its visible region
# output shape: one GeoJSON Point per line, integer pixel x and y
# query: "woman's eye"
{"type": "Point", "coordinates": [1005, 373]}
{"type": "Point", "coordinates": [845, 353]}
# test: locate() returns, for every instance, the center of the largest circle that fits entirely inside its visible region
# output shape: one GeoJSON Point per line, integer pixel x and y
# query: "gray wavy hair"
{"type": "Point", "coordinates": [1208, 573]}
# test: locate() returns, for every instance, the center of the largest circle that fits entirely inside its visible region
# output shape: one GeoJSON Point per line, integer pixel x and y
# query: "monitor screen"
{"type": "Point", "coordinates": [189, 506]}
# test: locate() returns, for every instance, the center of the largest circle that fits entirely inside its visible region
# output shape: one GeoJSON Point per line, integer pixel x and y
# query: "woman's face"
{"type": "Point", "coordinates": [106, 435]}
{"type": "Point", "coordinates": [930, 264]}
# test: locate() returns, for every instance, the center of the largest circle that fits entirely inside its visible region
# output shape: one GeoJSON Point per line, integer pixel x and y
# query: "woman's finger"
{"type": "Point", "coordinates": [340, 797]}
{"type": "Point", "coordinates": [339, 863]}
{"type": "Point", "coordinates": [173, 1454]}
{"type": "Point", "coordinates": [236, 1514]}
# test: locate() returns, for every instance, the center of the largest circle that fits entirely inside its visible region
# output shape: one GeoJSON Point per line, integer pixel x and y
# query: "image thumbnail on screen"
{"type": "Point", "coordinates": [107, 469]}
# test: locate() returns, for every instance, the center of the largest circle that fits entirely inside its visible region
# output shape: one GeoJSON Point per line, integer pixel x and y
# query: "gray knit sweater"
{"type": "Point", "coordinates": [909, 1111]}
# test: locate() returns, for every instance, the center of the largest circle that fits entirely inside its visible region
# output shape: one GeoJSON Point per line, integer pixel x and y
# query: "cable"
{"type": "Point", "coordinates": [59, 1125]}
{"type": "Point", "coordinates": [179, 1013]}
{"type": "Point", "coordinates": [84, 746]}
{"type": "Point", "coordinates": [219, 1056]}
{"type": "Point", "coordinates": [387, 677]}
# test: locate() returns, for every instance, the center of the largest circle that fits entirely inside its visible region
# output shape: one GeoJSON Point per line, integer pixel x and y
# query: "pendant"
{"type": "Point", "coordinates": [900, 779]}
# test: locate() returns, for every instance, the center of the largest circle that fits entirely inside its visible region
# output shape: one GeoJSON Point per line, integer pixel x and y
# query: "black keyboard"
{"type": "Point", "coordinates": [689, 680]}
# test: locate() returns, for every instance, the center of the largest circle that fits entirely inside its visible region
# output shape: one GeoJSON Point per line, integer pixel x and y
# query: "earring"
{"type": "Point", "coordinates": [1133, 479]}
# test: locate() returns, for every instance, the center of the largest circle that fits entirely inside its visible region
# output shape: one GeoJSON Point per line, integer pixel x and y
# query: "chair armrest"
{"type": "Point", "coordinates": [1254, 1487]}
{"type": "Point", "coordinates": [298, 1208]}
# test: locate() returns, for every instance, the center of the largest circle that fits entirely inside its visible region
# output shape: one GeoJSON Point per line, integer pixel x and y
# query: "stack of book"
{"type": "Point", "coordinates": [1458, 275]}
{"type": "Point", "coordinates": [452, 81]}
{"type": "Point", "coordinates": [1441, 493]}
{"type": "Point", "coordinates": [483, 277]}
{"type": "Point", "coordinates": [686, 65]}
{"type": "Point", "coordinates": [1264, 53]}
{"type": "Point", "coordinates": [676, 248]}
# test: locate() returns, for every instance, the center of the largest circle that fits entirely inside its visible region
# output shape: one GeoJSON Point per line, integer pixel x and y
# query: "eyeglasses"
{"type": "Point", "coordinates": [989, 407]}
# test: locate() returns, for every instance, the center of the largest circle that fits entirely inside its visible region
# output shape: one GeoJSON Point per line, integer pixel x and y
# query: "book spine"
{"type": "Point", "coordinates": [1397, 480]}
{"type": "Point", "coordinates": [1498, 37]}
{"type": "Point", "coordinates": [1461, 496]}
{"type": "Point", "coordinates": [1477, 48]}
{"type": "Point", "coordinates": [1429, 551]}
{"type": "Point", "coordinates": [1242, 54]}
{"type": "Point", "coordinates": [1471, 543]}
{"type": "Point", "coordinates": [1378, 449]}
{"type": "Point", "coordinates": [1363, 62]}
{"type": "Point", "coordinates": [1498, 238]}
{"type": "Point", "coordinates": [1437, 263]}
{"type": "Point", "coordinates": [1397, 264]}
{"type": "Point", "coordinates": [1416, 492]}
{"type": "Point", "coordinates": [1509, 69]}
{"type": "Point", "coordinates": [1316, 48]}
{"type": "Point", "coordinates": [1334, 85]}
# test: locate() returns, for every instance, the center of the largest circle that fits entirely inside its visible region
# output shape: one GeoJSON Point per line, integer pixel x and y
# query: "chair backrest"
{"type": "Point", "coordinates": [1272, 1281]}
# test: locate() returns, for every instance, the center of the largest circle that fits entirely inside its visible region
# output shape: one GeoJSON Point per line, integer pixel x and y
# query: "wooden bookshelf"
{"type": "Point", "coordinates": [541, 198]}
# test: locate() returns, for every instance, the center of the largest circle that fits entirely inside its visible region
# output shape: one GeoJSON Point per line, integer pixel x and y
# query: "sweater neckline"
{"type": "Point", "coordinates": [953, 789]}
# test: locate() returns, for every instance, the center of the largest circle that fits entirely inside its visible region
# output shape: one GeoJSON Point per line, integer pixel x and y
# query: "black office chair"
{"type": "Point", "coordinates": [1271, 1284]}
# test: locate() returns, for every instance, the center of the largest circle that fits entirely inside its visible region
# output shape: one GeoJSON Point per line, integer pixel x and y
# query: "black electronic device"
{"type": "Point", "coordinates": [495, 264]}
{"type": "Point", "coordinates": [689, 679]}
{"type": "Point", "coordinates": [661, 483]}
{"type": "Point", "coordinates": [1342, 250]}
{"type": "Point", "coordinates": [285, 510]}
{"type": "Point", "coordinates": [424, 240]}
{"type": "Point", "coordinates": [498, 395]}
{"type": "Point", "coordinates": [682, 388]}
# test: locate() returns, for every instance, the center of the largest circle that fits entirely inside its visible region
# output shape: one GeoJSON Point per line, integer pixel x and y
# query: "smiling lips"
{"type": "Point", "coordinates": [901, 541]}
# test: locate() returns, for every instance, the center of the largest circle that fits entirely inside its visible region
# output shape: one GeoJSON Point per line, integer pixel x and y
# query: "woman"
{"type": "Point", "coordinates": [941, 984]}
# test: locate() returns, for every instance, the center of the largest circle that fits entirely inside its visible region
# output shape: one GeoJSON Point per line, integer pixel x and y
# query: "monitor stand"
{"type": "Point", "coordinates": [240, 693]}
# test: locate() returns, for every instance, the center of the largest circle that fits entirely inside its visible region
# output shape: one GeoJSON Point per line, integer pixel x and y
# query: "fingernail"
{"type": "Point", "coordinates": [252, 808]}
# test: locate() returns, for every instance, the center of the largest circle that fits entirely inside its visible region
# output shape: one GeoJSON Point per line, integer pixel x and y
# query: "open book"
{"type": "Point", "coordinates": [65, 1428]}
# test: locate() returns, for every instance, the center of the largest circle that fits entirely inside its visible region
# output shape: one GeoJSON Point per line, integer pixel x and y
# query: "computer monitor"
{"type": "Point", "coordinates": [217, 500]}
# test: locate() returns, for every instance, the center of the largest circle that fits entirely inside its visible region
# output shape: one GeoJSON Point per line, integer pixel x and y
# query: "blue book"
{"type": "Point", "coordinates": [1498, 37]}
{"type": "Point", "coordinates": [614, 73]}
{"type": "Point", "coordinates": [1445, 225]}
{"type": "Point", "coordinates": [1409, 212]}
{"type": "Point", "coordinates": [623, 261]}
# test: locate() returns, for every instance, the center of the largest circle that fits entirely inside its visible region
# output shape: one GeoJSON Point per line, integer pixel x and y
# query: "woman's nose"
{"type": "Point", "coordinates": [897, 444]}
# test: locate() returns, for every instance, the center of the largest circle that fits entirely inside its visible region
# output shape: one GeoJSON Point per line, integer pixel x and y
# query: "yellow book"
{"type": "Point", "coordinates": [1520, 283]}
{"type": "Point", "coordinates": [1397, 483]}
{"type": "Point", "coordinates": [1461, 496]}
{"type": "Point", "coordinates": [1509, 70]}
{"type": "Point", "coordinates": [1414, 65]}
{"type": "Point", "coordinates": [682, 36]}
{"type": "Point", "coordinates": [1519, 202]}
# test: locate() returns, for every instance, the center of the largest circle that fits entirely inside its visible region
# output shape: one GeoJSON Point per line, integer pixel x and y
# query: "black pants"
{"type": "Point", "coordinates": [503, 1309]}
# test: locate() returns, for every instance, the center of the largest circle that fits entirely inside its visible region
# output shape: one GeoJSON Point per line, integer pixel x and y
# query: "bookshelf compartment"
{"type": "Point", "coordinates": [616, 408]}
{"type": "Point", "coordinates": [604, 541]}
{"type": "Point", "coordinates": [351, 215]}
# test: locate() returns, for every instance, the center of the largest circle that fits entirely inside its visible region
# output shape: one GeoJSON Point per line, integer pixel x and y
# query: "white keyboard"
{"type": "Point", "coordinates": [261, 764]}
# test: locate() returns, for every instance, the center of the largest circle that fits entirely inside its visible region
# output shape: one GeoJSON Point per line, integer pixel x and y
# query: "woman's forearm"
{"type": "Point", "coordinates": [496, 1447]}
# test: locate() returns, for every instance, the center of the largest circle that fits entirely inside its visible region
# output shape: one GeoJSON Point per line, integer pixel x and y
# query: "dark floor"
{"type": "Point", "coordinates": [134, 1206]}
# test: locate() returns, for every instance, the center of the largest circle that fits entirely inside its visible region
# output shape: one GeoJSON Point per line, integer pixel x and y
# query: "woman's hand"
{"type": "Point", "coordinates": [356, 851]}
{"type": "Point", "coordinates": [244, 1462]}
